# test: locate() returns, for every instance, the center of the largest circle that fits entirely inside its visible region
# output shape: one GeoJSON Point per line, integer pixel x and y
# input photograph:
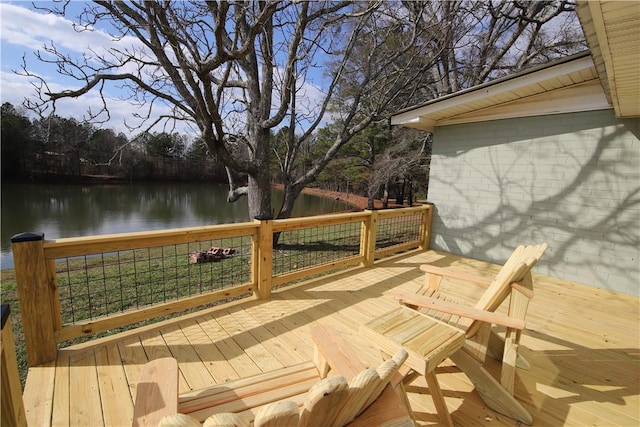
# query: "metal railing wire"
{"type": "Point", "coordinates": [97, 285]}
{"type": "Point", "coordinates": [316, 245]}
{"type": "Point", "coordinates": [396, 230]}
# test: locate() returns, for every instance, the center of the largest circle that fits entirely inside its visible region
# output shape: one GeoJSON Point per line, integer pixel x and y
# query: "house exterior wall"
{"type": "Point", "coordinates": [571, 180]}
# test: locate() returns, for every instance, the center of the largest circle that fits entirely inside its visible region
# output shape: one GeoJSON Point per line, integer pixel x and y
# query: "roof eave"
{"type": "Point", "coordinates": [463, 106]}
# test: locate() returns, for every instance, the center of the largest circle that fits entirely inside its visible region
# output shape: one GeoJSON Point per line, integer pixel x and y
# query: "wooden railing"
{"type": "Point", "coordinates": [11, 406]}
{"type": "Point", "coordinates": [52, 274]}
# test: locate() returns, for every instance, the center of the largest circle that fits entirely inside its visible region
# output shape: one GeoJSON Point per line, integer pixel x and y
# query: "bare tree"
{"type": "Point", "coordinates": [238, 71]}
{"type": "Point", "coordinates": [406, 157]}
{"type": "Point", "coordinates": [489, 39]}
{"type": "Point", "coordinates": [459, 44]}
{"type": "Point", "coordinates": [382, 62]}
{"type": "Point", "coordinates": [229, 68]}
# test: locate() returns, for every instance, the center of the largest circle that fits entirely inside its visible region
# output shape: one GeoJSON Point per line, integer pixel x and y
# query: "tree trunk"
{"type": "Point", "coordinates": [259, 196]}
{"type": "Point", "coordinates": [400, 198]}
{"type": "Point", "coordinates": [259, 177]}
{"type": "Point", "coordinates": [370, 200]}
{"type": "Point", "coordinates": [291, 193]}
{"type": "Point", "coordinates": [385, 197]}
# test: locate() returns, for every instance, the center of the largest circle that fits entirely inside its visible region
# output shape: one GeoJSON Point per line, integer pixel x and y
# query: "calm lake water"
{"type": "Point", "coordinates": [87, 210]}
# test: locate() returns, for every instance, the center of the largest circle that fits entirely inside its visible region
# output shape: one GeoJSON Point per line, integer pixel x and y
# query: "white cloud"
{"type": "Point", "coordinates": [31, 29]}
{"type": "Point", "coordinates": [13, 88]}
{"type": "Point", "coordinates": [25, 31]}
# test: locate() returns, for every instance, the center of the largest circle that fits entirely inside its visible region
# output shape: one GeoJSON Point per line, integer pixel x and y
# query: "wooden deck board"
{"type": "Point", "coordinates": [38, 392]}
{"type": "Point", "coordinates": [133, 358]}
{"type": "Point", "coordinates": [84, 394]}
{"type": "Point", "coordinates": [271, 342]}
{"type": "Point", "coordinates": [155, 347]}
{"type": "Point", "coordinates": [219, 367]}
{"type": "Point", "coordinates": [117, 406]}
{"type": "Point", "coordinates": [582, 344]}
{"type": "Point", "coordinates": [61, 404]}
{"type": "Point", "coordinates": [191, 366]}
{"type": "Point", "coordinates": [275, 316]}
{"type": "Point", "coordinates": [240, 361]}
{"type": "Point", "coordinates": [213, 360]}
{"type": "Point", "coordinates": [253, 348]}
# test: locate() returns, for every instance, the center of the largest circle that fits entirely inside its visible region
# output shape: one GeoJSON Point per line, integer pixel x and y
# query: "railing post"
{"type": "Point", "coordinates": [368, 239]}
{"type": "Point", "coordinates": [426, 227]}
{"type": "Point", "coordinates": [264, 263]}
{"type": "Point", "coordinates": [36, 294]}
{"type": "Point", "coordinates": [12, 406]}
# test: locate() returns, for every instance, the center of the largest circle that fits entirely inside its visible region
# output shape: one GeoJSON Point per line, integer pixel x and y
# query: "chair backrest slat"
{"type": "Point", "coordinates": [514, 270]}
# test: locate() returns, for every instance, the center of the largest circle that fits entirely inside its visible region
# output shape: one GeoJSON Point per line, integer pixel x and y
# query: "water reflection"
{"type": "Point", "coordinates": [80, 210]}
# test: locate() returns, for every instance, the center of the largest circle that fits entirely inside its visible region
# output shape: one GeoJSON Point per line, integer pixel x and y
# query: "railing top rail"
{"type": "Point", "coordinates": [402, 211]}
{"type": "Point", "coordinates": [332, 219]}
{"type": "Point", "coordinates": [74, 246]}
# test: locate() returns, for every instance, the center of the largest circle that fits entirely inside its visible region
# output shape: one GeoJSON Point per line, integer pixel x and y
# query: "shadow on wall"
{"type": "Point", "coordinates": [512, 195]}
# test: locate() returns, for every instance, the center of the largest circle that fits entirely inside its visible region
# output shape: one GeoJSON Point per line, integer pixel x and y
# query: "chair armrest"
{"type": "Point", "coordinates": [448, 272]}
{"type": "Point", "coordinates": [408, 298]}
{"type": "Point", "coordinates": [335, 352]}
{"type": "Point", "coordinates": [524, 288]}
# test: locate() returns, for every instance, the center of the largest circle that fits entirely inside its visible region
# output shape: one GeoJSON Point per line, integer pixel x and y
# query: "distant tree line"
{"type": "Point", "coordinates": [68, 148]}
{"type": "Point", "coordinates": [374, 164]}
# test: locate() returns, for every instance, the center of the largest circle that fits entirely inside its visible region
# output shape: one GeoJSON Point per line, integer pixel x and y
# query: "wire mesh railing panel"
{"type": "Point", "coordinates": [103, 284]}
{"type": "Point", "coordinates": [397, 230]}
{"type": "Point", "coordinates": [313, 246]}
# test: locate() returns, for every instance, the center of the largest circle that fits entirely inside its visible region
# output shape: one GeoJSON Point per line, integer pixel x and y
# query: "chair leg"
{"type": "Point", "coordinates": [438, 399]}
{"type": "Point", "coordinates": [410, 376]}
{"type": "Point", "coordinates": [509, 360]}
{"type": "Point", "coordinates": [490, 390]}
{"type": "Point", "coordinates": [495, 350]}
{"type": "Point", "coordinates": [402, 394]}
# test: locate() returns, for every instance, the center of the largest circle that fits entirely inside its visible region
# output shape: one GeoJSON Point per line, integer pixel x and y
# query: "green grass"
{"type": "Point", "coordinates": [105, 284]}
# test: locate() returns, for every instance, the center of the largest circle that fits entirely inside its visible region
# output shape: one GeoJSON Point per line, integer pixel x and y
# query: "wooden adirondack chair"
{"type": "Point", "coordinates": [353, 395]}
{"type": "Point", "coordinates": [512, 282]}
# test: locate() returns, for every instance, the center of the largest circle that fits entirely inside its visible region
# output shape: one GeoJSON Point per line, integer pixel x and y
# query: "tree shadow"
{"type": "Point", "coordinates": [561, 380]}
{"type": "Point", "coordinates": [590, 223]}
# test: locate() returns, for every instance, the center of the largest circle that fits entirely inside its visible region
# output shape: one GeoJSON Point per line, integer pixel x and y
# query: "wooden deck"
{"type": "Point", "coordinates": [582, 343]}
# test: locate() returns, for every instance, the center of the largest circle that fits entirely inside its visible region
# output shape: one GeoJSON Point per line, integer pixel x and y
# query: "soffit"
{"type": "Point", "coordinates": [612, 30]}
{"type": "Point", "coordinates": [569, 84]}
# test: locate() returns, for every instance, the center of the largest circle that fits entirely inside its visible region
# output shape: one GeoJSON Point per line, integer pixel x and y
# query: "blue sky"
{"type": "Point", "coordinates": [25, 29]}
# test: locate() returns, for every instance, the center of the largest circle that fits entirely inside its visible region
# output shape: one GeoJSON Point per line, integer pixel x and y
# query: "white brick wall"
{"type": "Point", "coordinates": [572, 180]}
